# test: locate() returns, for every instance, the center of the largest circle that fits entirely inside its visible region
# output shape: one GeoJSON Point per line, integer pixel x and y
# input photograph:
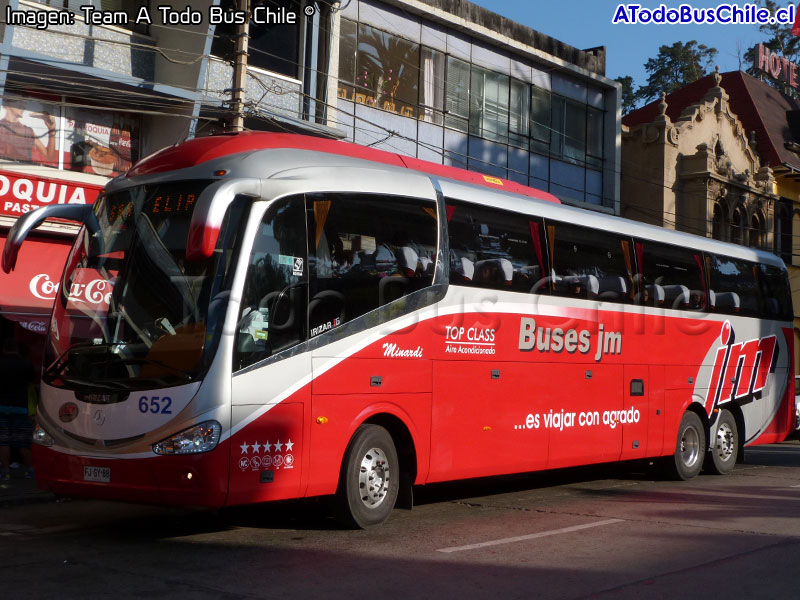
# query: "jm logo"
{"type": "Point", "coordinates": [740, 370]}
{"type": "Point", "coordinates": [99, 417]}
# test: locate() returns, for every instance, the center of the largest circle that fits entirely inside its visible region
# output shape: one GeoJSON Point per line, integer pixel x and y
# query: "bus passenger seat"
{"type": "Point", "coordinates": [427, 264]}
{"type": "Point", "coordinates": [613, 289]}
{"type": "Point", "coordinates": [467, 268]}
{"type": "Point", "coordinates": [676, 296]}
{"type": "Point", "coordinates": [385, 260]}
{"type": "Point", "coordinates": [494, 271]}
{"type": "Point", "coordinates": [727, 301]}
{"type": "Point", "coordinates": [408, 259]}
{"type": "Point", "coordinates": [592, 285]}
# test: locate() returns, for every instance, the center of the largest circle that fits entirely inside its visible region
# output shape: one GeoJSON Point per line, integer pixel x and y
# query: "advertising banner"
{"type": "Point", "coordinates": [21, 193]}
{"type": "Point", "coordinates": [69, 138]}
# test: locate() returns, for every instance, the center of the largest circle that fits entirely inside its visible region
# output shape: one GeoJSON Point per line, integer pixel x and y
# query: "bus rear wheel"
{"type": "Point", "coordinates": [724, 446]}
{"type": "Point", "coordinates": [690, 449]}
{"type": "Point", "coordinates": [370, 478]}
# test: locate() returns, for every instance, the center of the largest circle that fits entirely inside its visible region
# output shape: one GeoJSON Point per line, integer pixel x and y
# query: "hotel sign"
{"type": "Point", "coordinates": [774, 65]}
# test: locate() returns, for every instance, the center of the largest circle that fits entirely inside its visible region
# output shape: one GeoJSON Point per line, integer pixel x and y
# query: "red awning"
{"type": "Point", "coordinates": [28, 292]}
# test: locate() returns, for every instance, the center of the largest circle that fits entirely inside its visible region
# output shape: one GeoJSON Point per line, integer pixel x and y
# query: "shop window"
{"type": "Point", "coordinates": [496, 249]}
{"type": "Point", "coordinates": [594, 187]}
{"type": "Point", "coordinates": [431, 85]}
{"type": "Point", "coordinates": [540, 120]}
{"type": "Point", "coordinates": [348, 44]}
{"type": "Point", "coordinates": [569, 130]}
{"type": "Point", "coordinates": [594, 137]}
{"type": "Point", "coordinates": [519, 114]}
{"type": "Point", "coordinates": [457, 94]}
{"type": "Point", "coordinates": [365, 252]}
{"type": "Point", "coordinates": [590, 264]}
{"type": "Point", "coordinates": [272, 47]}
{"type": "Point", "coordinates": [29, 131]}
{"type": "Point", "coordinates": [387, 71]}
{"type": "Point", "coordinates": [97, 142]}
{"type": "Point", "coordinates": [489, 105]}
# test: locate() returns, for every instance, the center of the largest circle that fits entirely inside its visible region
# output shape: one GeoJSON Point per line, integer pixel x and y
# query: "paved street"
{"type": "Point", "coordinates": [590, 532]}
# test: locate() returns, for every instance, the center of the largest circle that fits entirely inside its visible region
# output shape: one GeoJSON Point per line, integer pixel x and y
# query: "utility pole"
{"type": "Point", "coordinates": [240, 68]}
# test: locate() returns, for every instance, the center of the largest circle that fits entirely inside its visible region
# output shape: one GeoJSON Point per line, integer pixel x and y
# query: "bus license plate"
{"type": "Point", "coordinates": [100, 474]}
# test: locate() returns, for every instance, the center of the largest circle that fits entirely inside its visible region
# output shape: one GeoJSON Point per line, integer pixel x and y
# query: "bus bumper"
{"type": "Point", "coordinates": [189, 480]}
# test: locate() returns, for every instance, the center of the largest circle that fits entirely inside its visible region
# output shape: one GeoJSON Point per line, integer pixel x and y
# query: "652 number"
{"type": "Point", "coordinates": [155, 405]}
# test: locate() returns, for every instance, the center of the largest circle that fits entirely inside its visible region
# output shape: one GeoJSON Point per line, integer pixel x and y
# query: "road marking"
{"type": "Point", "coordinates": [794, 486]}
{"type": "Point", "coordinates": [532, 536]}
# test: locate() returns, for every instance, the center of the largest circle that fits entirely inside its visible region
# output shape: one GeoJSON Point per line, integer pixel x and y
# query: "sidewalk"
{"type": "Point", "coordinates": [22, 491]}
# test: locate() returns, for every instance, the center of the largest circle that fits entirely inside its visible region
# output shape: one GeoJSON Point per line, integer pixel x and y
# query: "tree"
{"type": "Point", "coordinates": [628, 95]}
{"type": "Point", "coordinates": [674, 67]}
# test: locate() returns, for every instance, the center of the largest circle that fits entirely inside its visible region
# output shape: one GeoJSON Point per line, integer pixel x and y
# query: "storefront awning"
{"type": "Point", "coordinates": [28, 292]}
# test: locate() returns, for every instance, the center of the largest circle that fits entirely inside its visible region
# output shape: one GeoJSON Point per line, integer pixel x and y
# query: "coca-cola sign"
{"type": "Point", "coordinates": [83, 290]}
{"type": "Point", "coordinates": [20, 194]}
{"type": "Point", "coordinates": [36, 326]}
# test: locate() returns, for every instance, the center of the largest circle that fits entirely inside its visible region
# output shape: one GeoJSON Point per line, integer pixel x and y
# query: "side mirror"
{"type": "Point", "coordinates": [209, 212]}
{"type": "Point", "coordinates": [80, 213]}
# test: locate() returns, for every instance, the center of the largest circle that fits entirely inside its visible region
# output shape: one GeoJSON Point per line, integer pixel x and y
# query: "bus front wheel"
{"type": "Point", "coordinates": [370, 478]}
{"type": "Point", "coordinates": [690, 449]}
{"type": "Point", "coordinates": [724, 447]}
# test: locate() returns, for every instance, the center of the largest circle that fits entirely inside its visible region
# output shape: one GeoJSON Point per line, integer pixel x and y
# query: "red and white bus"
{"type": "Point", "coordinates": [256, 317]}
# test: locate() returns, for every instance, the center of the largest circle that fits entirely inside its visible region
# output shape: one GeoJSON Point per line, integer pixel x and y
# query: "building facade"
{"type": "Point", "coordinates": [718, 158]}
{"type": "Point", "coordinates": [450, 82]}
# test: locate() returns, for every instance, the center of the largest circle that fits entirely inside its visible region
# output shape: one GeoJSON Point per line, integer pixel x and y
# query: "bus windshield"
{"type": "Point", "coordinates": [132, 312]}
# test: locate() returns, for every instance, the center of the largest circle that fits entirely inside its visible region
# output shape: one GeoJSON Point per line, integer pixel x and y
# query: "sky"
{"type": "Point", "coordinates": [587, 23]}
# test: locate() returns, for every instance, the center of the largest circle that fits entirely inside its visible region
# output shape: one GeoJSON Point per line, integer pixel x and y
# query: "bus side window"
{"type": "Point", "coordinates": [273, 309]}
{"type": "Point", "coordinates": [670, 276]}
{"type": "Point", "coordinates": [734, 287]}
{"type": "Point", "coordinates": [366, 251]}
{"type": "Point", "coordinates": [590, 264]}
{"type": "Point", "coordinates": [776, 293]}
{"type": "Point", "coordinates": [495, 249]}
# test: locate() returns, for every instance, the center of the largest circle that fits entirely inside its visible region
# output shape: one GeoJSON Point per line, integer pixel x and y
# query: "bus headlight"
{"type": "Point", "coordinates": [200, 438]}
{"type": "Point", "coordinates": [41, 437]}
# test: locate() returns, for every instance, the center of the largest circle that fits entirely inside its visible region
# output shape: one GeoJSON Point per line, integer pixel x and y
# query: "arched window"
{"type": "Point", "coordinates": [756, 231]}
{"type": "Point", "coordinates": [719, 226]}
{"type": "Point", "coordinates": [738, 225]}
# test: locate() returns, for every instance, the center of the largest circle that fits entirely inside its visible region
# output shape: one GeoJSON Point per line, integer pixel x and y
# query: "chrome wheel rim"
{"type": "Point", "coordinates": [373, 478]}
{"type": "Point", "coordinates": [690, 446]}
{"type": "Point", "coordinates": [724, 446]}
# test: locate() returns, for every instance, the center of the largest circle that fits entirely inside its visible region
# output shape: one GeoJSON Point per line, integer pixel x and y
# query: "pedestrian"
{"type": "Point", "coordinates": [16, 426]}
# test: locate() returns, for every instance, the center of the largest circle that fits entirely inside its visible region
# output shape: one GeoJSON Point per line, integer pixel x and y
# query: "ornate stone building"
{"type": "Point", "coordinates": [719, 158]}
{"type": "Point", "coordinates": [699, 173]}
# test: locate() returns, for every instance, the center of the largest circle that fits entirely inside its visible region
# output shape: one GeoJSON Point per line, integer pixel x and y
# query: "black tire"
{"type": "Point", "coordinates": [723, 448]}
{"type": "Point", "coordinates": [690, 448]}
{"type": "Point", "coordinates": [370, 478]}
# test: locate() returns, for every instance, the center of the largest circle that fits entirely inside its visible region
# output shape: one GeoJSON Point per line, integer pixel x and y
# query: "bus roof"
{"type": "Point", "coordinates": [200, 150]}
